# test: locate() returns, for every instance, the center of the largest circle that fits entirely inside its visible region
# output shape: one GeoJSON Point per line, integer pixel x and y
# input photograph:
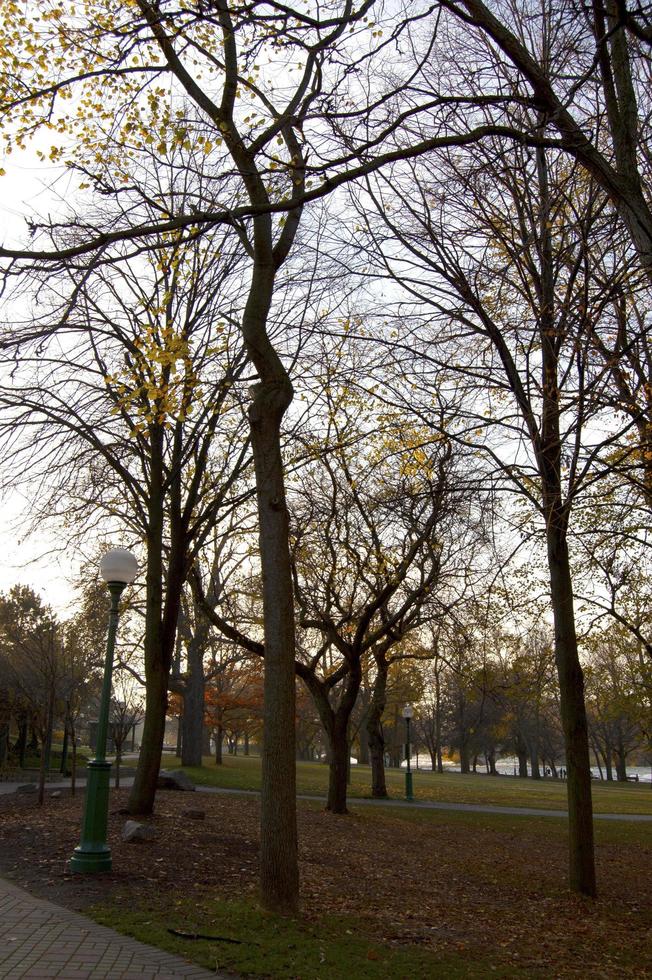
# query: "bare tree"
{"type": "Point", "coordinates": [508, 278]}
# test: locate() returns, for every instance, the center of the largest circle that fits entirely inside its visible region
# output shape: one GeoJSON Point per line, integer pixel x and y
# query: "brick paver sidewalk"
{"type": "Point", "coordinates": [39, 939]}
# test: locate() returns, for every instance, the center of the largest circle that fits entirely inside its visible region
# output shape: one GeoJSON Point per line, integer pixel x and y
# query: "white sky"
{"type": "Point", "coordinates": [25, 561]}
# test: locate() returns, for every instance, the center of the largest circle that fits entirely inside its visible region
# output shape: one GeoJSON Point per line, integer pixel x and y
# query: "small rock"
{"type": "Point", "coordinates": [27, 788]}
{"type": "Point", "coordinates": [174, 780]}
{"type": "Point", "coordinates": [134, 831]}
{"type": "Point", "coordinates": [55, 794]}
{"type": "Point", "coordinates": [194, 814]}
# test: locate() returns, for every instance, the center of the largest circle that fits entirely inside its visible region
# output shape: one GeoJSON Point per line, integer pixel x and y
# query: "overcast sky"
{"type": "Point", "coordinates": [24, 191]}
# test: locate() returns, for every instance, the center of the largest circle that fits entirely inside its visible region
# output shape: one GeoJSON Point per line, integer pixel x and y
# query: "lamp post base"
{"type": "Point", "coordinates": [94, 854]}
{"type": "Point", "coordinates": [90, 862]}
{"type": "Point", "coordinates": [409, 795]}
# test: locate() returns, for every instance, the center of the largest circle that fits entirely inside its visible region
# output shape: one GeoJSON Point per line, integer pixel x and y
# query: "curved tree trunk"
{"type": "Point", "coordinates": [272, 397]}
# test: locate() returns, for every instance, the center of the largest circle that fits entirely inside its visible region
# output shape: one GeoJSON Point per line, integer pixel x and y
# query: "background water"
{"type": "Point", "coordinates": [509, 767]}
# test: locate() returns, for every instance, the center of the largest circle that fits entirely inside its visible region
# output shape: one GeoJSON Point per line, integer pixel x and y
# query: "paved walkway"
{"type": "Point", "coordinates": [39, 939]}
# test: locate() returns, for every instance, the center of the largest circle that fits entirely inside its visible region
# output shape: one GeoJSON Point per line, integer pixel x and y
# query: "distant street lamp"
{"type": "Point", "coordinates": [118, 568]}
{"type": "Point", "coordinates": [408, 711]}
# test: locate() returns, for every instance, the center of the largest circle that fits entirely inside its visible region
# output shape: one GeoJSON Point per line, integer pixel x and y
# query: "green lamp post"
{"type": "Point", "coordinates": [408, 711]}
{"type": "Point", "coordinates": [118, 568]}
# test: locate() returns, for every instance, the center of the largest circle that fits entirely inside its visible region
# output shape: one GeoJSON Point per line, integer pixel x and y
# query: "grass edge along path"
{"type": "Point", "coordinates": [243, 773]}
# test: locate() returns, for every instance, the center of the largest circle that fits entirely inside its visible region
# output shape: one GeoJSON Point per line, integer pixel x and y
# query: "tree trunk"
{"type": "Point", "coordinates": [160, 623]}
{"type": "Point", "coordinates": [556, 513]}
{"type": "Point", "coordinates": [219, 745]}
{"type": "Point", "coordinates": [440, 761]}
{"type": "Point", "coordinates": [64, 748]}
{"type": "Point", "coordinates": [73, 774]}
{"type": "Point", "coordinates": [377, 759]}
{"type": "Point", "coordinates": [336, 728]}
{"type": "Point", "coordinates": [465, 757]}
{"type": "Point", "coordinates": [375, 735]}
{"type": "Point", "coordinates": [4, 742]}
{"type": "Point", "coordinates": [143, 791]}
{"type": "Point", "coordinates": [47, 745]}
{"type": "Point", "coordinates": [272, 396]}
{"type": "Point", "coordinates": [573, 715]}
{"type": "Point", "coordinates": [340, 754]}
{"type": "Point", "coordinates": [621, 763]}
{"type": "Point", "coordinates": [521, 755]}
{"type": "Point", "coordinates": [193, 702]}
{"type": "Point", "coordinates": [32, 744]}
{"type": "Point", "coordinates": [206, 740]}
{"type": "Point", "coordinates": [534, 762]}
{"type": "Point", "coordinates": [363, 741]}
{"type": "Point", "coordinates": [21, 744]}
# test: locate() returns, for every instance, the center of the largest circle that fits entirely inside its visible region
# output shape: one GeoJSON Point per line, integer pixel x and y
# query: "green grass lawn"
{"type": "Point", "coordinates": [243, 772]}
{"type": "Point", "coordinates": [239, 936]}
{"type": "Point", "coordinates": [266, 945]}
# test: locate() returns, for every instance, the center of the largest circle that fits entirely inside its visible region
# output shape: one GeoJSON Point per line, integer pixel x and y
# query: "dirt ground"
{"type": "Point", "coordinates": [467, 887]}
